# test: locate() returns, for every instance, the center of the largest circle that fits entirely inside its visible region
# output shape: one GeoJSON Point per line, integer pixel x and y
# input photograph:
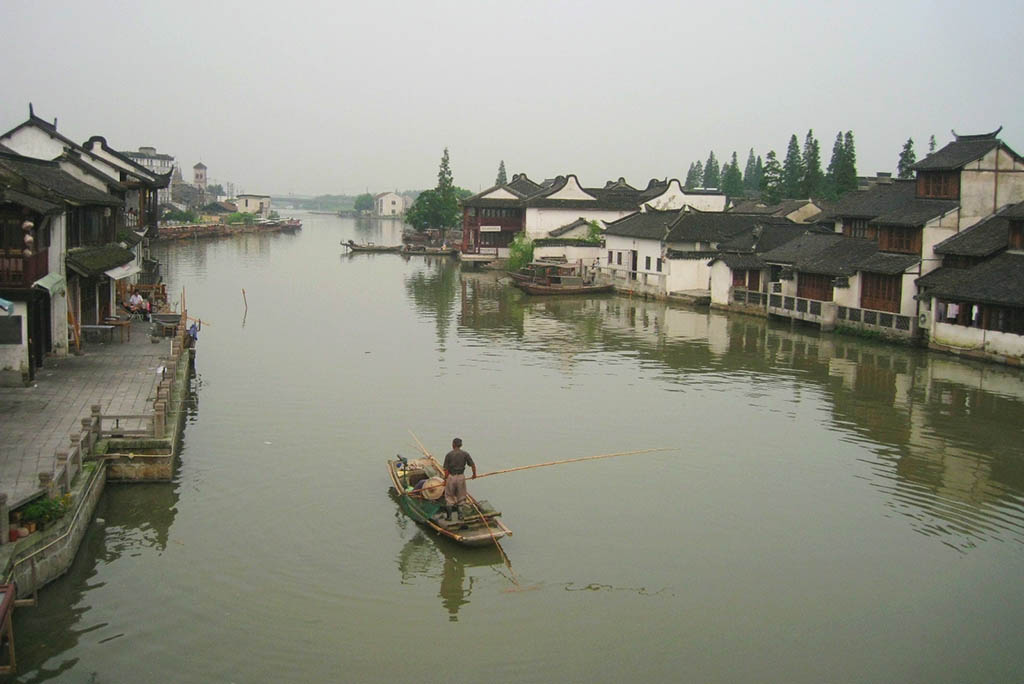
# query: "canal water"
{"type": "Point", "coordinates": [827, 509]}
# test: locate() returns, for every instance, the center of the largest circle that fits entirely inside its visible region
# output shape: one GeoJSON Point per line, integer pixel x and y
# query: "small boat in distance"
{"type": "Point", "coordinates": [370, 247]}
{"type": "Point", "coordinates": [419, 485]}
{"type": "Point", "coordinates": [548, 278]}
{"type": "Point", "coordinates": [417, 250]}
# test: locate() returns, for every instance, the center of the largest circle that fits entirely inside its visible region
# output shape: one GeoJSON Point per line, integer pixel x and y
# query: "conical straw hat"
{"type": "Point", "coordinates": [433, 488]}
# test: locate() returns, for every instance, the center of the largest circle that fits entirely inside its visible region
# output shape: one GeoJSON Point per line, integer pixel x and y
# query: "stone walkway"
{"type": "Point", "coordinates": [36, 421]}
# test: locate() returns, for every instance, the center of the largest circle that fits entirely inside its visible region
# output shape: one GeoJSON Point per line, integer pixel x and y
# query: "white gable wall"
{"type": "Point", "coordinates": [988, 183]}
{"type": "Point", "coordinates": [689, 274]}
{"type": "Point", "coordinates": [30, 141]}
{"type": "Point", "coordinates": [539, 221]}
{"type": "Point", "coordinates": [500, 193]}
{"type": "Point", "coordinates": [571, 191]}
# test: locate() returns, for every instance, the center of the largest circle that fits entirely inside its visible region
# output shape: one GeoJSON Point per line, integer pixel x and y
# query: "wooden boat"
{"type": "Point", "coordinates": [547, 278]}
{"type": "Point", "coordinates": [417, 250]}
{"type": "Point", "coordinates": [419, 486]}
{"type": "Point", "coordinates": [370, 247]}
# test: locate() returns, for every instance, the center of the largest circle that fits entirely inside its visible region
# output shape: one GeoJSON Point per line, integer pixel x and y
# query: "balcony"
{"type": "Point", "coordinates": [17, 271]}
{"type": "Point", "coordinates": [884, 322]}
{"type": "Point", "coordinates": [813, 311]}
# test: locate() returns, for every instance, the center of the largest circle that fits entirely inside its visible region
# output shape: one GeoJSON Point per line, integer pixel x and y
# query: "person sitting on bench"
{"type": "Point", "coordinates": [136, 305]}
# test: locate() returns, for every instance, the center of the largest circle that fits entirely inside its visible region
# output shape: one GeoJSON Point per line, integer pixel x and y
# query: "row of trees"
{"type": "Point", "coordinates": [799, 175]}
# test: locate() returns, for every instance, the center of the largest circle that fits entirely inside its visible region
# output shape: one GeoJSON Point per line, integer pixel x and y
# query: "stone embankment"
{"type": "Point", "coordinates": [192, 231]}
{"type": "Point", "coordinates": [104, 446]}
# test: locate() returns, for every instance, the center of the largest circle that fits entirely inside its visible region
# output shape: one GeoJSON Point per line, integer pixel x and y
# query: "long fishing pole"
{"type": "Point", "coordinates": [571, 460]}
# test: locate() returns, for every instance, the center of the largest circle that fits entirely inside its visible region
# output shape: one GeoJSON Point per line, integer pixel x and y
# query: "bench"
{"type": "Point", "coordinates": [122, 325]}
{"type": "Point", "coordinates": [99, 330]}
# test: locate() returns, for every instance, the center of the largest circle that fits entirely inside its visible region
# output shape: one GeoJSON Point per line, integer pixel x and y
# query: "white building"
{"type": "Point", "coordinates": [254, 204]}
{"type": "Point", "coordinates": [388, 204]}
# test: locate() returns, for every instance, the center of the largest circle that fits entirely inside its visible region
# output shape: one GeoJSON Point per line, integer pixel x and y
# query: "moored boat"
{"type": "Point", "coordinates": [370, 247]}
{"type": "Point", "coordinates": [419, 485]}
{"type": "Point", "coordinates": [416, 250]}
{"type": "Point", "coordinates": [547, 278]}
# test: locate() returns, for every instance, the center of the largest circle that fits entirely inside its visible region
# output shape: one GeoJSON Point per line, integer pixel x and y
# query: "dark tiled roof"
{"type": "Point", "coordinates": [826, 254]}
{"type": "Point", "coordinates": [138, 154]}
{"type": "Point", "coordinates": [74, 158]}
{"type": "Point", "coordinates": [963, 150]}
{"type": "Point", "coordinates": [916, 212]}
{"type": "Point", "coordinates": [48, 176]}
{"type": "Point", "coordinates": [713, 226]}
{"type": "Point", "coordinates": [983, 239]}
{"type": "Point", "coordinates": [743, 262]}
{"type": "Point", "coordinates": [887, 263]}
{"type": "Point", "coordinates": [569, 227]}
{"type": "Point", "coordinates": [783, 208]}
{"type": "Point", "coordinates": [523, 185]}
{"type": "Point", "coordinates": [767, 234]}
{"type": "Point", "coordinates": [999, 281]}
{"type": "Point", "coordinates": [1015, 211]}
{"type": "Point", "coordinates": [651, 224]}
{"type": "Point", "coordinates": [93, 261]}
{"type": "Point", "coordinates": [147, 176]}
{"type": "Point", "coordinates": [24, 200]}
{"type": "Point", "coordinates": [873, 201]}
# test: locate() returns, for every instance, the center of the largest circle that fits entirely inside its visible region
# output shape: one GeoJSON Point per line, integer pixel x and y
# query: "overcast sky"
{"type": "Point", "coordinates": [341, 97]}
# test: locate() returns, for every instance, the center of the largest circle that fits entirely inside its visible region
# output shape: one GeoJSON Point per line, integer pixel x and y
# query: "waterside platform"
{"type": "Point", "coordinates": [113, 413]}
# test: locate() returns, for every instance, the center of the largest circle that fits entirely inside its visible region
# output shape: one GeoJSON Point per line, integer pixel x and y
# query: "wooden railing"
{"type": "Point", "coordinates": [17, 270]}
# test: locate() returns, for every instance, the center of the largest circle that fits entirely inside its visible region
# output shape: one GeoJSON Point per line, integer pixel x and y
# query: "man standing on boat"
{"type": "Point", "coordinates": [455, 462]}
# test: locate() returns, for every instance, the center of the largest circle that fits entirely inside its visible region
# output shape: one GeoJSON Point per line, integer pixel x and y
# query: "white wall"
{"type": "Point", "coordinates": [573, 253]}
{"type": "Point", "coordinates": [59, 303]}
{"type": "Point", "coordinates": [934, 232]}
{"type": "Point", "coordinates": [539, 221]}
{"type": "Point", "coordinates": [30, 141]}
{"type": "Point", "coordinates": [688, 274]}
{"type": "Point", "coordinates": [978, 340]}
{"type": "Point", "coordinates": [979, 195]}
{"type": "Point", "coordinates": [721, 283]}
{"type": "Point", "coordinates": [14, 357]}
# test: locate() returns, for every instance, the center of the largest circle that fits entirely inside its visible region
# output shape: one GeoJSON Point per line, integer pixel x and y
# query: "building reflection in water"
{"type": "Point", "coordinates": [946, 436]}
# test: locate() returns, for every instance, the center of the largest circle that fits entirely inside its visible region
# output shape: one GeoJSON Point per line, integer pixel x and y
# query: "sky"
{"type": "Point", "coordinates": [315, 98]}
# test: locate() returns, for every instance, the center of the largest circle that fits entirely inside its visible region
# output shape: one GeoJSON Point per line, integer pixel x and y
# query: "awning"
{"type": "Point", "coordinates": [53, 283]}
{"type": "Point", "coordinates": [123, 271]}
{"type": "Point", "coordinates": [6, 306]}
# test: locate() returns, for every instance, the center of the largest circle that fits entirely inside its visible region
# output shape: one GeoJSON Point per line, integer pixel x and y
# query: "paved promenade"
{"type": "Point", "coordinates": [35, 421]}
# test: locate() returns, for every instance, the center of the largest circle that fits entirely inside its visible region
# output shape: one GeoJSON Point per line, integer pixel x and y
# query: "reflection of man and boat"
{"type": "Point", "coordinates": [423, 558]}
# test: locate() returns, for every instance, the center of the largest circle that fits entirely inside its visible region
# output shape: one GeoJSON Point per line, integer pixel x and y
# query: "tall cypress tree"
{"type": "Point", "coordinates": [834, 170]}
{"type": "Point", "coordinates": [688, 183]}
{"type": "Point", "coordinates": [904, 167]}
{"type": "Point", "coordinates": [695, 176]}
{"type": "Point", "coordinates": [813, 180]}
{"type": "Point", "coordinates": [712, 175]}
{"type": "Point", "coordinates": [502, 178]}
{"type": "Point", "coordinates": [771, 180]}
{"type": "Point", "coordinates": [931, 144]}
{"type": "Point", "coordinates": [849, 176]}
{"type": "Point", "coordinates": [732, 178]}
{"type": "Point", "coordinates": [750, 181]}
{"type": "Point", "coordinates": [759, 174]}
{"type": "Point", "coordinates": [792, 169]}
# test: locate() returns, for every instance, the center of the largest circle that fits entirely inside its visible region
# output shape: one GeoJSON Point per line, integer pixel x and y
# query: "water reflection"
{"type": "Point", "coordinates": [437, 560]}
{"type": "Point", "coordinates": [947, 441]}
{"type": "Point", "coordinates": [433, 290]}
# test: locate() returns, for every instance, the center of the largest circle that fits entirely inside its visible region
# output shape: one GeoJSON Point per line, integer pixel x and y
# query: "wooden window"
{"type": "Point", "coordinates": [753, 280]}
{"type": "Point", "coordinates": [659, 264]}
{"type": "Point", "coordinates": [647, 263]}
{"type": "Point", "coordinates": [814, 286]}
{"type": "Point", "coordinates": [899, 239]}
{"type": "Point", "coordinates": [881, 292]}
{"type": "Point", "coordinates": [618, 258]}
{"type": "Point", "coordinates": [858, 228]}
{"type": "Point", "coordinates": [739, 278]}
{"type": "Point", "coordinates": [938, 184]}
{"type": "Point", "coordinates": [609, 257]}
{"type": "Point", "coordinates": [1016, 235]}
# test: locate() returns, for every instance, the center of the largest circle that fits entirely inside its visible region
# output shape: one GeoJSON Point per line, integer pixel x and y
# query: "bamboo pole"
{"type": "Point", "coordinates": [571, 460]}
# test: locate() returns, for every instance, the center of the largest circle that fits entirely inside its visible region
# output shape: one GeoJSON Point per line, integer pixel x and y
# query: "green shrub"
{"type": "Point", "coordinates": [520, 252]}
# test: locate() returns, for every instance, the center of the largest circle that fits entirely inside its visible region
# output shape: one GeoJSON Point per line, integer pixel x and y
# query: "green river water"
{"type": "Point", "coordinates": [830, 509]}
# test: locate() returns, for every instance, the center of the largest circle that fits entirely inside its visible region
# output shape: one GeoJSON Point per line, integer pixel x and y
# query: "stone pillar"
{"type": "Point", "coordinates": [46, 482]}
{"type": "Point", "coordinates": [158, 419]}
{"type": "Point", "coordinates": [64, 469]}
{"type": "Point", "coordinates": [5, 517]}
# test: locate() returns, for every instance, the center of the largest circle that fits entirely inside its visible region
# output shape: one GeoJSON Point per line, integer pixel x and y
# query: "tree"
{"type": "Point", "coordinates": [931, 144]}
{"type": "Point", "coordinates": [732, 178]}
{"type": "Point", "coordinates": [437, 208]}
{"type": "Point", "coordinates": [502, 178]}
{"type": "Point", "coordinates": [758, 175]}
{"type": "Point", "coordinates": [216, 190]}
{"type": "Point", "coordinates": [834, 168]}
{"type": "Point", "coordinates": [771, 180]}
{"type": "Point", "coordinates": [904, 167]}
{"type": "Point", "coordinates": [813, 180]}
{"type": "Point", "coordinates": [792, 169]}
{"type": "Point", "coordinates": [695, 177]}
{"type": "Point", "coordinates": [712, 176]}
{"type": "Point", "coordinates": [691, 178]}
{"type": "Point", "coordinates": [364, 202]}
{"type": "Point", "coordinates": [849, 176]}
{"type": "Point", "coordinates": [750, 179]}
